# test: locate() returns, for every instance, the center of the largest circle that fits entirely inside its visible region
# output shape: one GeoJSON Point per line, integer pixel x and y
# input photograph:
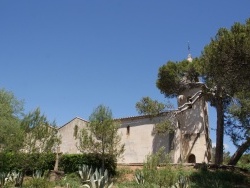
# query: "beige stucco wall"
{"type": "Point", "coordinates": [66, 133]}
{"type": "Point", "coordinates": [140, 141]}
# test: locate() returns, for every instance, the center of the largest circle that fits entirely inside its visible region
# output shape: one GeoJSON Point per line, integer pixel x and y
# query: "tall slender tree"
{"type": "Point", "coordinates": [225, 66]}
{"type": "Point", "coordinates": [101, 135]}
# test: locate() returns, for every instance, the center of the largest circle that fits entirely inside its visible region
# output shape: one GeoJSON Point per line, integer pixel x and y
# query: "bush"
{"type": "Point", "coordinates": [38, 183]}
{"type": "Point", "coordinates": [222, 179]}
{"type": "Point", "coordinates": [158, 172]}
{"type": "Point", "coordinates": [45, 161]}
{"type": "Point", "coordinates": [244, 162]}
{"type": "Point", "coordinates": [26, 162]}
{"type": "Point", "coordinates": [72, 180]}
{"type": "Point", "coordinates": [69, 163]}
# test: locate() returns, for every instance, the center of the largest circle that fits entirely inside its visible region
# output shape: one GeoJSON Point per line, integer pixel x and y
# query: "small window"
{"type": "Point", "coordinates": [128, 130]}
{"type": "Point", "coordinates": [75, 131]}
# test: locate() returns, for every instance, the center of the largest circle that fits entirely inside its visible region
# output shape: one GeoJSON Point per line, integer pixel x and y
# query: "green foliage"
{"type": "Point", "coordinates": [182, 182]}
{"type": "Point", "coordinates": [225, 68]}
{"type": "Point", "coordinates": [11, 110]}
{"type": "Point", "coordinates": [147, 106]}
{"type": "Point", "coordinates": [41, 135]}
{"type": "Point", "coordinates": [101, 135]}
{"type": "Point", "coordinates": [139, 177]}
{"type": "Point", "coordinates": [237, 124]}
{"type": "Point", "coordinates": [99, 180]}
{"type": "Point", "coordinates": [70, 162]}
{"type": "Point", "coordinates": [27, 162]}
{"type": "Point", "coordinates": [38, 183]}
{"type": "Point", "coordinates": [173, 77]}
{"type": "Point", "coordinates": [71, 180]}
{"type": "Point", "coordinates": [244, 162]}
{"type": "Point", "coordinates": [216, 179]}
{"type": "Point", "coordinates": [157, 171]}
{"type": "Point", "coordinates": [238, 118]}
{"type": "Point", "coordinates": [226, 71]}
{"type": "Point", "coordinates": [165, 126]}
{"type": "Point", "coordinates": [122, 173]}
{"type": "Point", "coordinates": [153, 108]}
{"type": "Point", "coordinates": [10, 107]}
{"type": "Point", "coordinates": [226, 58]}
{"type": "Point", "coordinates": [85, 172]}
{"type": "Point", "coordinates": [3, 176]}
{"type": "Point", "coordinates": [39, 180]}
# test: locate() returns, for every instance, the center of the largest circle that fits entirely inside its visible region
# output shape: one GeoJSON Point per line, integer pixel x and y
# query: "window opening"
{"type": "Point", "coordinates": [128, 130]}
{"type": "Point", "coordinates": [191, 158]}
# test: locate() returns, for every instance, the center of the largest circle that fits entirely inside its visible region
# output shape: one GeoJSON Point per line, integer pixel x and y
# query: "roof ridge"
{"type": "Point", "coordinates": [72, 120]}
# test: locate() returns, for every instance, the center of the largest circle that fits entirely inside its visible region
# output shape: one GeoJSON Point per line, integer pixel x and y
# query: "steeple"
{"type": "Point", "coordinates": [189, 58]}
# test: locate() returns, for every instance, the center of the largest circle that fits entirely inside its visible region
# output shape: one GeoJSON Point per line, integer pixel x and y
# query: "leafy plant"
{"type": "Point", "coordinates": [38, 174]}
{"type": "Point", "coordinates": [216, 179]}
{"type": "Point", "coordinates": [157, 171]}
{"type": "Point", "coordinates": [182, 182]}
{"type": "Point", "coordinates": [38, 183]}
{"type": "Point", "coordinates": [85, 172]}
{"type": "Point", "coordinates": [70, 180]}
{"type": "Point", "coordinates": [99, 180]}
{"type": "Point", "coordinates": [38, 180]}
{"type": "Point", "coordinates": [16, 177]}
{"type": "Point", "coordinates": [3, 176]}
{"type": "Point", "coordinates": [139, 177]}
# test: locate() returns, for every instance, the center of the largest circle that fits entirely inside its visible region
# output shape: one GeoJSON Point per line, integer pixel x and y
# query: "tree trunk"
{"type": "Point", "coordinates": [103, 156]}
{"type": "Point", "coordinates": [219, 131]}
{"type": "Point", "coordinates": [239, 152]}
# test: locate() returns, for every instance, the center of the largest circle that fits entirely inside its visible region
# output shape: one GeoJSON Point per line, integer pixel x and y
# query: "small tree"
{"type": "Point", "coordinates": [40, 134]}
{"type": "Point", "coordinates": [11, 111]}
{"type": "Point", "coordinates": [101, 135]}
{"type": "Point", "coordinates": [148, 106]}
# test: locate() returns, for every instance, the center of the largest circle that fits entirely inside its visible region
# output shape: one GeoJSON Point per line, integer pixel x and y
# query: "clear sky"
{"type": "Point", "coordinates": [69, 56]}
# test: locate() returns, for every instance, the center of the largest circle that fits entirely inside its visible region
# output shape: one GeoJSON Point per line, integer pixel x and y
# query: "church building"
{"type": "Point", "coordinates": [188, 143]}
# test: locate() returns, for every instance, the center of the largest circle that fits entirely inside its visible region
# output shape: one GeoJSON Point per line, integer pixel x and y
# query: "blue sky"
{"type": "Point", "coordinates": [67, 57]}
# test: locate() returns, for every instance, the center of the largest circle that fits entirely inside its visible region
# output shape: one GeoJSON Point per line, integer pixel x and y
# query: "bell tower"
{"type": "Point", "coordinates": [192, 141]}
{"type": "Point", "coordinates": [193, 127]}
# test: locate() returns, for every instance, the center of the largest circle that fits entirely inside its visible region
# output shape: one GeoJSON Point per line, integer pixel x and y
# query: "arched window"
{"type": "Point", "coordinates": [191, 158]}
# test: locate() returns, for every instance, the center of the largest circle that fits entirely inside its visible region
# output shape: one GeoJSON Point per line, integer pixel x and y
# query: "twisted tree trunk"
{"type": "Point", "coordinates": [239, 152]}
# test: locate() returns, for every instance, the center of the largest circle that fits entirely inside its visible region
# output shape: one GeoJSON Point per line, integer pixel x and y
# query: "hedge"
{"type": "Point", "coordinates": [45, 161]}
{"type": "Point", "coordinates": [70, 162]}
{"type": "Point", "coordinates": [26, 162]}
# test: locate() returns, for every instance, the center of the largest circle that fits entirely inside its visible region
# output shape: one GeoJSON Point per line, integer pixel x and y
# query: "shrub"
{"type": "Point", "coordinates": [72, 180]}
{"type": "Point", "coordinates": [222, 179]}
{"type": "Point", "coordinates": [69, 163]}
{"type": "Point", "coordinates": [158, 172]}
{"type": "Point", "coordinates": [27, 162]}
